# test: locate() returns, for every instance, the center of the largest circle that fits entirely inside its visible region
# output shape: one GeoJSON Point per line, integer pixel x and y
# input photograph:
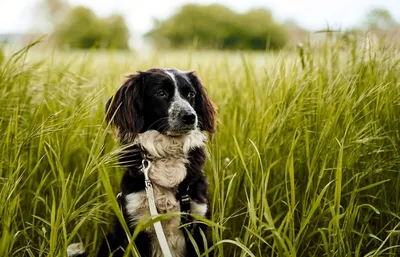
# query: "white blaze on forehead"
{"type": "Point", "coordinates": [178, 102]}
{"type": "Point", "coordinates": [172, 75]}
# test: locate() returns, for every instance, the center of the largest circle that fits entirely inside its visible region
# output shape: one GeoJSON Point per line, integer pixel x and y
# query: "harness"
{"type": "Point", "coordinates": [184, 201]}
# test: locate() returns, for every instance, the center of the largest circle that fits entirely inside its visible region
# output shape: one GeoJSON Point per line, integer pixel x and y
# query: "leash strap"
{"type": "Point", "coordinates": [153, 210]}
{"type": "Point", "coordinates": [185, 208]}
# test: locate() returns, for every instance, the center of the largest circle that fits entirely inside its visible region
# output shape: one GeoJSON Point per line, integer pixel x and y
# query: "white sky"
{"type": "Point", "coordinates": [16, 15]}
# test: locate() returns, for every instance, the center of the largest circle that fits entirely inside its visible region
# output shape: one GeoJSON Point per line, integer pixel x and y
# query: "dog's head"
{"type": "Point", "coordinates": [167, 100]}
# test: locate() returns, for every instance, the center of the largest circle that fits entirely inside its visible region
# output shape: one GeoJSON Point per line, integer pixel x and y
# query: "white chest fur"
{"type": "Point", "coordinates": [168, 158]}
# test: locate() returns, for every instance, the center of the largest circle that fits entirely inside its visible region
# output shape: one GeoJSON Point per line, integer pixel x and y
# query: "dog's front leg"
{"type": "Point", "coordinates": [199, 205]}
{"type": "Point", "coordinates": [132, 183]}
{"type": "Point", "coordinates": [114, 243]}
{"type": "Point", "coordinates": [200, 234]}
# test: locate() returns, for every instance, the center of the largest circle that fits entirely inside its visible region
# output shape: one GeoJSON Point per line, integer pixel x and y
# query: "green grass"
{"type": "Point", "coordinates": [305, 161]}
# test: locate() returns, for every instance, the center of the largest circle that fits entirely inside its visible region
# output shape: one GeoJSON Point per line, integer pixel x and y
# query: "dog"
{"type": "Point", "coordinates": [165, 115]}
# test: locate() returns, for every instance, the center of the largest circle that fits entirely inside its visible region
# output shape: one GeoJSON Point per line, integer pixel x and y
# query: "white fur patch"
{"type": "Point", "coordinates": [199, 209]}
{"type": "Point", "coordinates": [136, 206]}
{"type": "Point", "coordinates": [171, 75]}
{"type": "Point", "coordinates": [168, 156]}
{"type": "Point", "coordinates": [159, 145]}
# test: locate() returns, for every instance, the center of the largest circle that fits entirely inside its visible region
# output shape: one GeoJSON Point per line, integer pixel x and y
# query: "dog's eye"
{"type": "Point", "coordinates": [191, 94]}
{"type": "Point", "coordinates": [161, 93]}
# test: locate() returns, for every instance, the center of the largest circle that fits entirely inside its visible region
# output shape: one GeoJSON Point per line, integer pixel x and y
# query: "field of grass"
{"type": "Point", "coordinates": [305, 161]}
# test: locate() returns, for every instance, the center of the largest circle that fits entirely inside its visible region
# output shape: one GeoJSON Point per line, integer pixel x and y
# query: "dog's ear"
{"type": "Point", "coordinates": [125, 109]}
{"type": "Point", "coordinates": [204, 107]}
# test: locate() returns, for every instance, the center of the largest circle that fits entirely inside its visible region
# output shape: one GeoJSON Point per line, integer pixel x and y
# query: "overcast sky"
{"type": "Point", "coordinates": [16, 15]}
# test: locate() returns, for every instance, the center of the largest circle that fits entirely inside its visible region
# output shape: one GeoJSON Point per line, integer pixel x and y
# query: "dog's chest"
{"type": "Point", "coordinates": [165, 175]}
{"type": "Point", "coordinates": [168, 172]}
{"type": "Point", "coordinates": [168, 158]}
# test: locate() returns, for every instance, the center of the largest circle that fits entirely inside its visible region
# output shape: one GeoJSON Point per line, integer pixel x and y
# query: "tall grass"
{"type": "Point", "coordinates": [305, 161]}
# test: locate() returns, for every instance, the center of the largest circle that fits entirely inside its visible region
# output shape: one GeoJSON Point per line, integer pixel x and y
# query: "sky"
{"type": "Point", "coordinates": [16, 15]}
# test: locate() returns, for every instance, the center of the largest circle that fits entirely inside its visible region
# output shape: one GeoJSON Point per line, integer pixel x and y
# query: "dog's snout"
{"type": "Point", "coordinates": [182, 117]}
{"type": "Point", "coordinates": [189, 118]}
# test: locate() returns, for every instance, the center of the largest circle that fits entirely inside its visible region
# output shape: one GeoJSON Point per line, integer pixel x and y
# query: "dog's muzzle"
{"type": "Point", "coordinates": [182, 117]}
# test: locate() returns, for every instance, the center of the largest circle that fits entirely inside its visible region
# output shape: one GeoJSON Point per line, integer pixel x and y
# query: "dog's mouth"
{"type": "Point", "coordinates": [177, 133]}
{"type": "Point", "coordinates": [179, 128]}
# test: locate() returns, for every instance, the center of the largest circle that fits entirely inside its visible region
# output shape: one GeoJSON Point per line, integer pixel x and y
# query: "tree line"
{"type": "Point", "coordinates": [211, 26]}
{"type": "Point", "coordinates": [81, 28]}
{"type": "Point", "coordinates": [208, 26]}
{"type": "Point", "coordinates": [218, 27]}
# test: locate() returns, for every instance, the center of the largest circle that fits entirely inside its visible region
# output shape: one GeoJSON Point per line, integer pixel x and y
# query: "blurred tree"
{"type": "Point", "coordinates": [260, 31]}
{"type": "Point", "coordinates": [81, 28]}
{"type": "Point", "coordinates": [380, 19]}
{"type": "Point", "coordinates": [382, 26]}
{"type": "Point", "coordinates": [216, 26]}
{"type": "Point", "coordinates": [209, 23]}
{"type": "Point", "coordinates": [117, 33]}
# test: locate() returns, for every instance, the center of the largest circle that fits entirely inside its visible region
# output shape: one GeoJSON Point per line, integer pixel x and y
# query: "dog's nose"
{"type": "Point", "coordinates": [189, 118]}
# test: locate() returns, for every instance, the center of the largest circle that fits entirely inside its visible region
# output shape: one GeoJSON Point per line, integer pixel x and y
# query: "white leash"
{"type": "Point", "coordinates": [153, 210]}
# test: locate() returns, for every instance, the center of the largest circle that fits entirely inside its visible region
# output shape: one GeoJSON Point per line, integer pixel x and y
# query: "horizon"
{"type": "Point", "coordinates": [24, 16]}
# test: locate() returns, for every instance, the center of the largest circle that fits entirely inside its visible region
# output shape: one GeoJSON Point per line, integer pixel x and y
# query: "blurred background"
{"type": "Point", "coordinates": [306, 158]}
{"type": "Point", "coordinates": [178, 24]}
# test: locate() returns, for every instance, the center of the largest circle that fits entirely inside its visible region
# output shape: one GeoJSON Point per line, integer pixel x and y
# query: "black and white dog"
{"type": "Point", "coordinates": [164, 114]}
